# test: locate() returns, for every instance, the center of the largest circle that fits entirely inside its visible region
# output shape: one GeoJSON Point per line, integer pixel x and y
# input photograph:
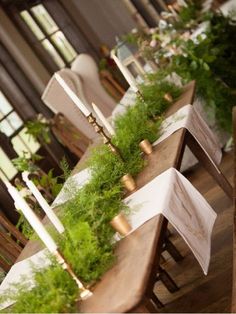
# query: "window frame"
{"type": "Point", "coordinates": [46, 35]}
{"type": "Point", "coordinates": [17, 131]}
{"type": "Point", "coordinates": [14, 9]}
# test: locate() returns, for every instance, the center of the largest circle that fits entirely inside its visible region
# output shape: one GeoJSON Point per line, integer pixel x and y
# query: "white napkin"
{"type": "Point", "coordinates": [187, 117]}
{"type": "Point", "coordinates": [172, 195]}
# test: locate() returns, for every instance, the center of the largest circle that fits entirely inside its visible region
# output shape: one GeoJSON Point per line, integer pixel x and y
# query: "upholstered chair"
{"type": "Point", "coordinates": [58, 101]}
{"type": "Point", "coordinates": [85, 66]}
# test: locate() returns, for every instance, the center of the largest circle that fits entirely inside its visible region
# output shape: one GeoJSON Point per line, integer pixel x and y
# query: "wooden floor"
{"type": "Point", "coordinates": [200, 293]}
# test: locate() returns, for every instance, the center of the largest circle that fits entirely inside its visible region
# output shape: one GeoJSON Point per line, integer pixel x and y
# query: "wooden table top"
{"type": "Point", "coordinates": [122, 287]}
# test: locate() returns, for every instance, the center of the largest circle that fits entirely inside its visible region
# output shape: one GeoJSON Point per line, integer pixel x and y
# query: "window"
{"type": "Point", "coordinates": [49, 35]}
{"type": "Point", "coordinates": [13, 127]}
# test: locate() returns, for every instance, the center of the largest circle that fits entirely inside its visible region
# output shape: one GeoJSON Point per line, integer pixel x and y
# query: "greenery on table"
{"type": "Point", "coordinates": [222, 33]}
{"type": "Point", "coordinates": [88, 243]}
{"type": "Point", "coordinates": [54, 292]}
{"type": "Point", "coordinates": [210, 59]}
{"type": "Point", "coordinates": [207, 63]}
{"type": "Point", "coordinates": [189, 15]}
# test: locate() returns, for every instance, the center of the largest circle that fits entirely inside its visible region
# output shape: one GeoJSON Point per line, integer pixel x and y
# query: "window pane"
{"type": "Point", "coordinates": [12, 123]}
{"type": "Point", "coordinates": [6, 128]}
{"type": "Point", "coordinates": [44, 19]}
{"type": "Point", "coordinates": [15, 120]}
{"type": "Point", "coordinates": [3, 176]}
{"type": "Point", "coordinates": [64, 46]}
{"type": "Point", "coordinates": [24, 143]}
{"type": "Point", "coordinates": [56, 57]}
{"type": "Point", "coordinates": [32, 25]}
{"type": "Point", "coordinates": [6, 165]}
{"type": "Point", "coordinates": [5, 107]}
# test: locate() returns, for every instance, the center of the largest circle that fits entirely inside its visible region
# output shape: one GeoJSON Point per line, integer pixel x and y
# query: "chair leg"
{"type": "Point", "coordinates": [172, 250]}
{"type": "Point", "coordinates": [162, 259]}
{"type": "Point", "coordinates": [156, 301]}
{"type": "Point", "coordinates": [167, 280]}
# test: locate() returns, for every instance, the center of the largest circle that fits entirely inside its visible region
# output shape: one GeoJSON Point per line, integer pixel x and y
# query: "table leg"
{"type": "Point", "coordinates": [212, 169]}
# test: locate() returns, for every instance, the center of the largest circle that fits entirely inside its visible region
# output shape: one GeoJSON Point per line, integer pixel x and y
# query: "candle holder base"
{"type": "Point", "coordinates": [84, 293]}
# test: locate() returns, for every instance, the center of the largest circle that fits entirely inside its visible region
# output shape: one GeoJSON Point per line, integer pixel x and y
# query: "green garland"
{"type": "Point", "coordinates": [211, 62]}
{"type": "Point", "coordinates": [87, 242]}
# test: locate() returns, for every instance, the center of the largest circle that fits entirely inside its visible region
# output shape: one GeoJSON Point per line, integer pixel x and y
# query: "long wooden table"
{"type": "Point", "coordinates": [128, 285]}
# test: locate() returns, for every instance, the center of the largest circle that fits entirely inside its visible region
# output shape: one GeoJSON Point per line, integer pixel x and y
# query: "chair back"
{"type": "Point", "coordinates": [85, 66]}
{"type": "Point", "coordinates": [111, 85]}
{"type": "Point", "coordinates": [12, 242]}
{"type": "Point", "coordinates": [57, 100]}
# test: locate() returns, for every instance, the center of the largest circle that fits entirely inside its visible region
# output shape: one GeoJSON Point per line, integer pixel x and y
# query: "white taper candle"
{"type": "Point", "coordinates": [129, 78]}
{"type": "Point", "coordinates": [72, 95]}
{"type": "Point", "coordinates": [43, 203]}
{"type": "Point", "coordinates": [103, 119]}
{"type": "Point", "coordinates": [33, 220]}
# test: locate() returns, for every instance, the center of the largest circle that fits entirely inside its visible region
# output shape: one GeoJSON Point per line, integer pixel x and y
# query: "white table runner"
{"type": "Point", "coordinates": [172, 195]}
{"type": "Point", "coordinates": [71, 187]}
{"type": "Point", "coordinates": [22, 272]}
{"type": "Point", "coordinates": [187, 117]}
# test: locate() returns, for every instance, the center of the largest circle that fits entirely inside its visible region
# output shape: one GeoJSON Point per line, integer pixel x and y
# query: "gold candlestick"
{"type": "Point", "coordinates": [85, 293]}
{"type": "Point", "coordinates": [140, 96]}
{"type": "Point", "coordinates": [106, 139]}
{"type": "Point", "coordinates": [127, 180]}
{"type": "Point", "coordinates": [146, 146]}
{"type": "Point", "coordinates": [121, 224]}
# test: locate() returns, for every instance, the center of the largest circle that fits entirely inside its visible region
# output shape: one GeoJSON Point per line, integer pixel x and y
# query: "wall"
{"type": "Point", "coordinates": [106, 18]}
{"type": "Point", "coordinates": [22, 53]}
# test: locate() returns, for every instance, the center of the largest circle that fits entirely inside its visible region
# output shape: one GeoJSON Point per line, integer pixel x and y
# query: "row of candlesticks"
{"type": "Point", "coordinates": [23, 206]}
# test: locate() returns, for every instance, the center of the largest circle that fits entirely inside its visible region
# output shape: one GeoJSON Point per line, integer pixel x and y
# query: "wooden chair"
{"type": "Point", "coordinates": [111, 85]}
{"type": "Point", "coordinates": [233, 309]}
{"type": "Point", "coordinates": [69, 135]}
{"type": "Point", "coordinates": [12, 242]}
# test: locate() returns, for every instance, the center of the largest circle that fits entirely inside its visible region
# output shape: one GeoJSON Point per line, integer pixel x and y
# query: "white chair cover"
{"type": "Point", "coordinates": [85, 66]}
{"type": "Point", "coordinates": [57, 100]}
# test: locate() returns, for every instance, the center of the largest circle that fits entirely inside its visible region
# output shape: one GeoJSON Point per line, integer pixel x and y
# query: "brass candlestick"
{"type": "Point", "coordinates": [106, 139]}
{"type": "Point", "coordinates": [140, 96]}
{"type": "Point", "coordinates": [85, 293]}
{"type": "Point", "coordinates": [128, 181]}
{"type": "Point", "coordinates": [121, 224]}
{"type": "Point", "coordinates": [146, 146]}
